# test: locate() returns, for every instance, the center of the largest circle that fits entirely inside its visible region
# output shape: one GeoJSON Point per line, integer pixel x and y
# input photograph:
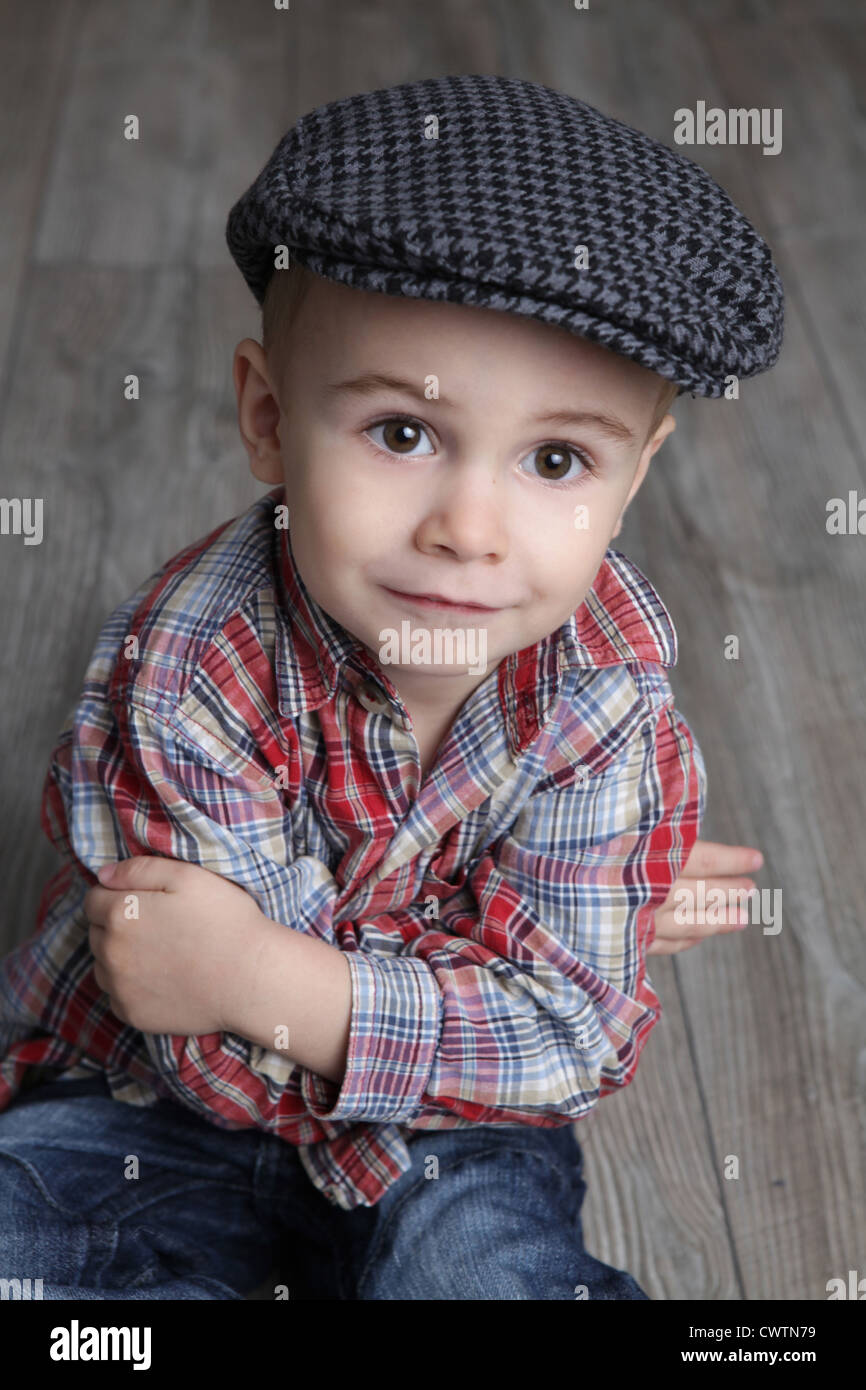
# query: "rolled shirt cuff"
{"type": "Point", "coordinates": [393, 1037]}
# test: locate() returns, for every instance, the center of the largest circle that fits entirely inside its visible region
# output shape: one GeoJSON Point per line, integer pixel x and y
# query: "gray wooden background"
{"type": "Point", "coordinates": [112, 259]}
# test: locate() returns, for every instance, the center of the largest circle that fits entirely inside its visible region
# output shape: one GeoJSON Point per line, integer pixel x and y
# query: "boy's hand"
{"type": "Point", "coordinates": [720, 866]}
{"type": "Point", "coordinates": [176, 965]}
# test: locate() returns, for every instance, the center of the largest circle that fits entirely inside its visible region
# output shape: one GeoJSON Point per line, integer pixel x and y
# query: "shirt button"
{"type": "Point", "coordinates": [373, 702]}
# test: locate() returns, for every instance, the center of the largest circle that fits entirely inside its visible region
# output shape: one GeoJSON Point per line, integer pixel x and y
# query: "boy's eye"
{"type": "Point", "coordinates": [556, 460]}
{"type": "Point", "coordinates": [400, 436]}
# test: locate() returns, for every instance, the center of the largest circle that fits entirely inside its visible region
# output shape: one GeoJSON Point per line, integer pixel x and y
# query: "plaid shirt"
{"type": "Point", "coordinates": [495, 921]}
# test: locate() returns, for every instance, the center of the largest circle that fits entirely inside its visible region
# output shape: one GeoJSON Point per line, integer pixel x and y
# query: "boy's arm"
{"type": "Point", "coordinates": [305, 980]}
{"type": "Point", "coordinates": [525, 1003]}
{"type": "Point", "coordinates": [529, 999]}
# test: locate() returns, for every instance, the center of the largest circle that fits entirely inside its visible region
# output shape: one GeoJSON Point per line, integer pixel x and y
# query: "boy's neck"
{"type": "Point", "coordinates": [433, 702]}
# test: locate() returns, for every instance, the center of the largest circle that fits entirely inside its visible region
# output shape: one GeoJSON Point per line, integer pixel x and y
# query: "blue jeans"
{"type": "Point", "coordinates": [212, 1212]}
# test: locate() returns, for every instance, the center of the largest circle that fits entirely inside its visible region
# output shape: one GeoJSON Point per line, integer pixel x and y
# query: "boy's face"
{"type": "Point", "coordinates": [473, 496]}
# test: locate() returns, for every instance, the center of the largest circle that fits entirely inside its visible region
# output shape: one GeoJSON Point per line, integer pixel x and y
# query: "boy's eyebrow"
{"type": "Point", "coordinates": [370, 383]}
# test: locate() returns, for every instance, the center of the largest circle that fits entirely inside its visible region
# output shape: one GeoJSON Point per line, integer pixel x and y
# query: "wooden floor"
{"type": "Point", "coordinates": [113, 260]}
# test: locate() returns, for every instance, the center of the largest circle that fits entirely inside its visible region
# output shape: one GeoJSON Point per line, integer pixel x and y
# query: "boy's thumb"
{"type": "Point", "coordinates": [148, 872]}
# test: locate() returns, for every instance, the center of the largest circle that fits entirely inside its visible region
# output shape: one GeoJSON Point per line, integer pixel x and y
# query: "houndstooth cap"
{"type": "Point", "coordinates": [477, 189]}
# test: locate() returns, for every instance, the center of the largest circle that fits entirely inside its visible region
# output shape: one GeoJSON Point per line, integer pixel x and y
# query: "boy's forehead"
{"type": "Point", "coordinates": [342, 330]}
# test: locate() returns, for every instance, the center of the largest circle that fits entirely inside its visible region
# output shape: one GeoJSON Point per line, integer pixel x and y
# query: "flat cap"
{"type": "Point", "coordinates": [479, 189]}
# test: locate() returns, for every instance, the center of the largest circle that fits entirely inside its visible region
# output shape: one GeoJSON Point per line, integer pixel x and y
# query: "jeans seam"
{"type": "Point", "coordinates": [96, 1213]}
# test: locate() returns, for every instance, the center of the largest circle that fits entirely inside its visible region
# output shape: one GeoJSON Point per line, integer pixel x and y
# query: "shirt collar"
{"type": "Point", "coordinates": [622, 620]}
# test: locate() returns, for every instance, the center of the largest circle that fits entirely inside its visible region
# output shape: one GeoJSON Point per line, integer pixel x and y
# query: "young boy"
{"type": "Point", "coordinates": [391, 761]}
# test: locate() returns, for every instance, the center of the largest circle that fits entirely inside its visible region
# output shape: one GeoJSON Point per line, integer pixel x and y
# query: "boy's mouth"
{"type": "Point", "coordinates": [438, 601]}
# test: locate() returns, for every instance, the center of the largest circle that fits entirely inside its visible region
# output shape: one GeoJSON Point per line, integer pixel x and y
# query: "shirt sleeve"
{"type": "Point", "coordinates": [124, 782]}
{"type": "Point", "coordinates": [529, 999]}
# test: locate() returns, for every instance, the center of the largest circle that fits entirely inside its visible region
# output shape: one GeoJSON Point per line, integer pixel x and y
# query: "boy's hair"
{"type": "Point", "coordinates": [668, 394]}
{"type": "Point", "coordinates": [285, 293]}
{"type": "Point", "coordinates": [283, 298]}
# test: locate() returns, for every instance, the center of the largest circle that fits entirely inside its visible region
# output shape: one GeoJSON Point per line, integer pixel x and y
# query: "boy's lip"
{"type": "Point", "coordinates": [438, 601]}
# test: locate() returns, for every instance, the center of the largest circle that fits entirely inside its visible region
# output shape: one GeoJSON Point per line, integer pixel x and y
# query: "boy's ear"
{"type": "Point", "coordinates": [666, 426]}
{"type": "Point", "coordinates": [258, 411]}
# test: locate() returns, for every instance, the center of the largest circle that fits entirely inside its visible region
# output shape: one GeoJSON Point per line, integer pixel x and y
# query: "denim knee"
{"type": "Point", "coordinates": [480, 1217]}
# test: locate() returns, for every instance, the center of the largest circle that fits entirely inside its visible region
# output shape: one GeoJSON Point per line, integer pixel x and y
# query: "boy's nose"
{"type": "Point", "coordinates": [471, 525]}
{"type": "Point", "coordinates": [467, 514]}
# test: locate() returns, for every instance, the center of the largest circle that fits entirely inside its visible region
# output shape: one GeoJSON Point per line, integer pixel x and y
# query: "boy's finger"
{"type": "Point", "coordinates": [711, 857]}
{"type": "Point", "coordinates": [715, 895]}
{"type": "Point", "coordinates": [666, 947]}
{"type": "Point", "coordinates": [698, 926]}
{"type": "Point", "coordinates": [687, 922]}
{"type": "Point", "coordinates": [736, 890]}
{"type": "Point", "coordinates": [149, 872]}
{"type": "Point", "coordinates": [97, 904]}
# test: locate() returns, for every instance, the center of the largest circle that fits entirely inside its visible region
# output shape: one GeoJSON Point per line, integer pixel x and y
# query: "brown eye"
{"type": "Point", "coordinates": [553, 462]}
{"type": "Point", "coordinates": [399, 436]}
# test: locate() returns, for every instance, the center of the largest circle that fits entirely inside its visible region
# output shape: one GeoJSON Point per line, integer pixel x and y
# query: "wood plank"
{"type": "Point", "coordinates": [825, 274]}
{"type": "Point", "coordinates": [813, 72]}
{"type": "Point", "coordinates": [33, 77]}
{"type": "Point", "coordinates": [125, 486]}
